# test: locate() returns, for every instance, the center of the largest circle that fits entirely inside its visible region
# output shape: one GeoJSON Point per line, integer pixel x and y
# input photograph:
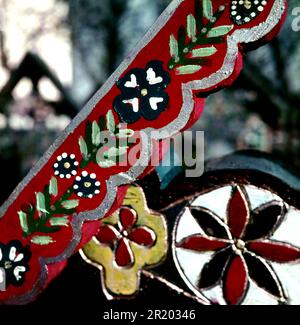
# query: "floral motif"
{"type": "Point", "coordinates": [86, 185]}
{"type": "Point", "coordinates": [143, 93]}
{"type": "Point", "coordinates": [133, 237]}
{"type": "Point", "coordinates": [65, 166]}
{"type": "Point", "coordinates": [120, 237]}
{"type": "Point", "coordinates": [195, 44]}
{"type": "Point", "coordinates": [14, 259]}
{"type": "Point", "coordinates": [242, 247]}
{"type": "Point", "coordinates": [242, 12]}
{"type": "Point", "coordinates": [44, 216]}
{"type": "Point", "coordinates": [100, 143]}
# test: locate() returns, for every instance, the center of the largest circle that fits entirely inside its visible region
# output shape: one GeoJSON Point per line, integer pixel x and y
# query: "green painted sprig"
{"type": "Point", "coordinates": [44, 218]}
{"type": "Point", "coordinates": [93, 141]}
{"type": "Point", "coordinates": [195, 42]}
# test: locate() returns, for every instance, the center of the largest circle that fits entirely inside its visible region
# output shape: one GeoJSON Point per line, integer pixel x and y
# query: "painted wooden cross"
{"type": "Point", "coordinates": [196, 47]}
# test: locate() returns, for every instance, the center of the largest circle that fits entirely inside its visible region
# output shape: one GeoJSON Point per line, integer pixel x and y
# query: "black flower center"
{"type": "Point", "coordinates": [86, 185]}
{"type": "Point", "coordinates": [65, 166]}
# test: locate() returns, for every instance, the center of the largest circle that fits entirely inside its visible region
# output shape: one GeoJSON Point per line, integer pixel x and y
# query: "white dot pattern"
{"type": "Point", "coordinates": [244, 11]}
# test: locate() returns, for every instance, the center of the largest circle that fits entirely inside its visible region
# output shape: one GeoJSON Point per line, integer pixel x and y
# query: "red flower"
{"type": "Point", "coordinates": [243, 247]}
{"type": "Point", "coordinates": [121, 236]}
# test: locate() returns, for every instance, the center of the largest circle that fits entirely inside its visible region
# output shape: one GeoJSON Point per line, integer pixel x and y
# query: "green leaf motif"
{"type": "Point", "coordinates": [125, 133]}
{"type": "Point", "coordinates": [71, 204]}
{"type": "Point", "coordinates": [188, 69]}
{"type": "Point", "coordinates": [53, 187]}
{"type": "Point", "coordinates": [219, 31]}
{"type": "Point", "coordinates": [62, 221]}
{"type": "Point", "coordinates": [95, 133]}
{"type": "Point", "coordinates": [173, 47]}
{"type": "Point", "coordinates": [110, 122]}
{"type": "Point", "coordinates": [42, 240]}
{"type": "Point", "coordinates": [191, 26]}
{"type": "Point", "coordinates": [40, 202]}
{"type": "Point", "coordinates": [199, 31]}
{"type": "Point", "coordinates": [204, 52]}
{"type": "Point", "coordinates": [23, 221]}
{"type": "Point", "coordinates": [208, 9]}
{"type": "Point", "coordinates": [83, 148]}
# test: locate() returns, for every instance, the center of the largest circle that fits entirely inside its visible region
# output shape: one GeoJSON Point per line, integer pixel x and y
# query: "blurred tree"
{"type": "Point", "coordinates": [103, 32]}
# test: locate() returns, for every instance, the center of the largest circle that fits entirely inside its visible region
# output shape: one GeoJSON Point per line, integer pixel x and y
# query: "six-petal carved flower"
{"type": "Point", "coordinates": [143, 93]}
{"type": "Point", "coordinates": [120, 236]}
{"type": "Point", "coordinates": [242, 247]}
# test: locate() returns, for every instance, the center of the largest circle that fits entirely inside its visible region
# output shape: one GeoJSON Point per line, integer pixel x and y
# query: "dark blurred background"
{"type": "Point", "coordinates": [54, 54]}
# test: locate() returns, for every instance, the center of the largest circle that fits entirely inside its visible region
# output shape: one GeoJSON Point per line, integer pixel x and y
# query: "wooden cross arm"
{"type": "Point", "coordinates": [196, 47]}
